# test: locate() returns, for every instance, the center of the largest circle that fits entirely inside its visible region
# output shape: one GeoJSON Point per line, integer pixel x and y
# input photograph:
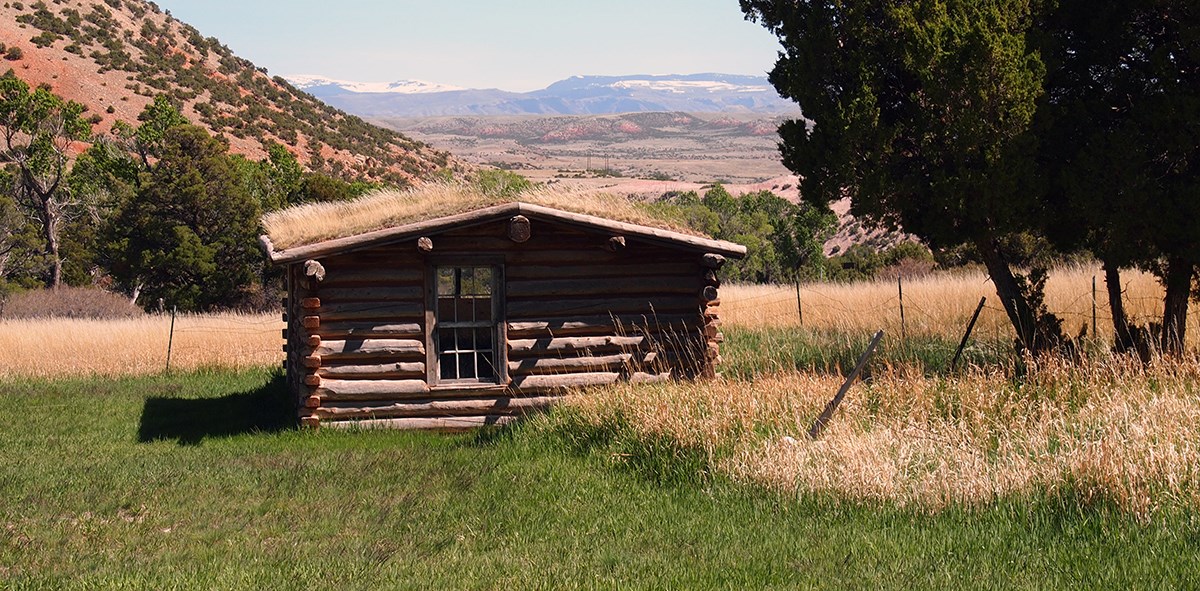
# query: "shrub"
{"type": "Point", "coordinates": [14, 53]}
{"type": "Point", "coordinates": [68, 302]}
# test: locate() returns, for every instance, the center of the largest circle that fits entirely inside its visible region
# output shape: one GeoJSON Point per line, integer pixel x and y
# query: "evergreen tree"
{"type": "Point", "coordinates": [189, 234]}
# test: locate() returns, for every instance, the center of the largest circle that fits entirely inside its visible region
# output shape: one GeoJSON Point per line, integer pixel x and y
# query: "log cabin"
{"type": "Point", "coordinates": [479, 317]}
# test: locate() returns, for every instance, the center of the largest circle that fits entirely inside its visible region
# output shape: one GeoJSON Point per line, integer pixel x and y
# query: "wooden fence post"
{"type": "Point", "coordinates": [1095, 335]}
{"type": "Point", "coordinates": [900, 289]}
{"type": "Point", "coordinates": [967, 334]}
{"type": "Point", "coordinates": [819, 424]}
{"type": "Point", "coordinates": [799, 306]}
{"type": "Point", "coordinates": [171, 338]}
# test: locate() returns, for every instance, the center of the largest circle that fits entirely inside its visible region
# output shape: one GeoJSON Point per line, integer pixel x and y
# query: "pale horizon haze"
{"type": "Point", "coordinates": [517, 46]}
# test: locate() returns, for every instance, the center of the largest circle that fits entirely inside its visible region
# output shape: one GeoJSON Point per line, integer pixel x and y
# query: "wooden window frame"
{"type": "Point", "coordinates": [499, 324]}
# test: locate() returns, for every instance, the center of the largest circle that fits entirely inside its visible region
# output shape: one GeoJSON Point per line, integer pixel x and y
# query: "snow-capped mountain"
{"type": "Point", "coordinates": [308, 83]}
{"type": "Point", "coordinates": [578, 95]}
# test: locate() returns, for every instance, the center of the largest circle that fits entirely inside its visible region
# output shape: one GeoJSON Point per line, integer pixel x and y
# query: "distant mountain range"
{"type": "Point", "coordinates": [578, 95]}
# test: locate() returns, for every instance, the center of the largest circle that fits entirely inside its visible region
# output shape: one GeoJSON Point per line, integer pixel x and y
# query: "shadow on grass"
{"type": "Point", "coordinates": [191, 420]}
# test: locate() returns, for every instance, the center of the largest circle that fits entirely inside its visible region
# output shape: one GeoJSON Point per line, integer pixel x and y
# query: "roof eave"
{"type": "Point", "coordinates": [492, 213]}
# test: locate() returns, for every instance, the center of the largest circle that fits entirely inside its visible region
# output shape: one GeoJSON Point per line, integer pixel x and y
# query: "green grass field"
{"type": "Point", "coordinates": [199, 481]}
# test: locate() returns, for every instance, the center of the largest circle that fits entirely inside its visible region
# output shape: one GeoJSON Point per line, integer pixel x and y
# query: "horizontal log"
{"type": "Point", "coordinates": [312, 380]}
{"type": "Point", "coordinates": [369, 347]}
{"type": "Point", "coordinates": [668, 284]}
{"type": "Point", "coordinates": [312, 361]}
{"type": "Point", "coordinates": [572, 343]}
{"type": "Point", "coordinates": [634, 268]}
{"type": "Point", "coordinates": [567, 258]}
{"type": "Point", "coordinates": [386, 273]}
{"type": "Point", "coordinates": [569, 364]}
{"type": "Point", "coordinates": [374, 371]}
{"type": "Point", "coordinates": [312, 402]}
{"type": "Point", "coordinates": [310, 422]}
{"type": "Point", "coordinates": [371, 294]}
{"type": "Point", "coordinates": [366, 311]}
{"type": "Point", "coordinates": [499, 405]}
{"type": "Point", "coordinates": [709, 293]}
{"type": "Point", "coordinates": [439, 424]}
{"type": "Point", "coordinates": [535, 309]}
{"type": "Point", "coordinates": [310, 303]}
{"type": "Point", "coordinates": [335, 390]}
{"type": "Point", "coordinates": [562, 381]}
{"type": "Point", "coordinates": [602, 325]}
{"type": "Point", "coordinates": [311, 322]}
{"type": "Point", "coordinates": [650, 378]}
{"type": "Point", "coordinates": [370, 329]}
{"type": "Point", "coordinates": [712, 261]}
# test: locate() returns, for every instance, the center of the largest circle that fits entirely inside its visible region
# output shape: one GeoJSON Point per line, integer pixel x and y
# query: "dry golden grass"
{"type": "Point", "coordinates": [938, 304]}
{"type": "Point", "coordinates": [317, 222]}
{"type": "Point", "coordinates": [1109, 431]}
{"type": "Point", "coordinates": [74, 347]}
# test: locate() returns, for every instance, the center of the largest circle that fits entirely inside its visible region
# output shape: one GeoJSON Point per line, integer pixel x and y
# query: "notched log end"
{"type": "Point", "coordinates": [519, 229]}
{"type": "Point", "coordinates": [314, 269]}
{"type": "Point", "coordinates": [425, 244]}
{"type": "Point", "coordinates": [615, 244]}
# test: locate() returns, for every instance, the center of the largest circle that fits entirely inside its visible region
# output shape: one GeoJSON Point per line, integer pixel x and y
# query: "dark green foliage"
{"type": "Point", "coordinates": [919, 112]}
{"type": "Point", "coordinates": [501, 183]}
{"type": "Point", "coordinates": [189, 234]}
{"type": "Point", "coordinates": [783, 240]}
{"type": "Point", "coordinates": [1121, 139]}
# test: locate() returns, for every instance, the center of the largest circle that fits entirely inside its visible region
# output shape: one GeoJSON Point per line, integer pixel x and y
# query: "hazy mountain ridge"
{"type": "Point", "coordinates": [578, 95]}
{"type": "Point", "coordinates": [114, 56]}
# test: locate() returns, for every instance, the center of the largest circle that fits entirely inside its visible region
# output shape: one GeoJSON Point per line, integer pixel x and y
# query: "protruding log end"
{"type": "Point", "coordinates": [312, 322]}
{"type": "Point", "coordinates": [708, 294]}
{"type": "Point", "coordinates": [425, 244]}
{"type": "Point", "coordinates": [314, 269]}
{"type": "Point", "coordinates": [712, 260]}
{"type": "Point", "coordinates": [313, 380]}
{"type": "Point", "coordinates": [310, 422]}
{"type": "Point", "coordinates": [312, 402]}
{"type": "Point", "coordinates": [312, 362]}
{"type": "Point", "coordinates": [615, 244]}
{"type": "Point", "coordinates": [710, 278]}
{"type": "Point", "coordinates": [518, 229]}
{"type": "Point", "coordinates": [314, 341]}
{"type": "Point", "coordinates": [310, 303]}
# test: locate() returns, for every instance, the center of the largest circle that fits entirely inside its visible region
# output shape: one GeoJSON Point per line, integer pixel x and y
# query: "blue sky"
{"type": "Point", "coordinates": [516, 45]}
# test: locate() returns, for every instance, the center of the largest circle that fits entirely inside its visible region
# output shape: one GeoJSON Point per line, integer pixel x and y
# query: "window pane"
{"type": "Point", "coordinates": [448, 366]}
{"type": "Point", "coordinates": [445, 280]}
{"type": "Point", "coordinates": [464, 308]}
{"type": "Point", "coordinates": [483, 309]}
{"type": "Point", "coordinates": [486, 371]}
{"type": "Point", "coordinates": [445, 310]}
{"type": "Point", "coordinates": [466, 366]}
{"type": "Point", "coordinates": [446, 339]}
{"type": "Point", "coordinates": [483, 339]}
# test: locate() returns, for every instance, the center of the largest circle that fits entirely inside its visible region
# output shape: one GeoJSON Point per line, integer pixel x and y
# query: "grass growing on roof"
{"type": "Point", "coordinates": [318, 222]}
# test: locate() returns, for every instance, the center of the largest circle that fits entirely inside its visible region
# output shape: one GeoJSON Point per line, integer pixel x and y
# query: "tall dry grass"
{"type": "Point", "coordinates": [59, 347]}
{"type": "Point", "coordinates": [939, 304]}
{"type": "Point", "coordinates": [315, 222]}
{"type": "Point", "coordinates": [1110, 432]}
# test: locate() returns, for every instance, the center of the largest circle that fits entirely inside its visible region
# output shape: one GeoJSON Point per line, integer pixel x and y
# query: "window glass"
{"type": "Point", "coordinates": [466, 332]}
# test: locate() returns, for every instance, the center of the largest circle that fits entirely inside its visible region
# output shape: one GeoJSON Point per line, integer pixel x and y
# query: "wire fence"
{"type": "Point", "coordinates": [941, 306]}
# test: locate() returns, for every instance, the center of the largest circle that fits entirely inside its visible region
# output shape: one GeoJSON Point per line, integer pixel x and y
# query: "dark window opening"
{"type": "Point", "coordinates": [466, 335]}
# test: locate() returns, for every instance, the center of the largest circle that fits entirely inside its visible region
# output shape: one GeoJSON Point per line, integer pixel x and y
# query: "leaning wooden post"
{"type": "Point", "coordinates": [799, 306]}
{"type": "Point", "coordinates": [819, 424]}
{"type": "Point", "coordinates": [970, 325]}
{"type": "Point", "coordinates": [1095, 335]}
{"type": "Point", "coordinates": [171, 338]}
{"type": "Point", "coordinates": [900, 289]}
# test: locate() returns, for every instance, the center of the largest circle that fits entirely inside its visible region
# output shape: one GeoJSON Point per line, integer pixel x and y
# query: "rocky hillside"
{"type": "Point", "coordinates": [113, 56]}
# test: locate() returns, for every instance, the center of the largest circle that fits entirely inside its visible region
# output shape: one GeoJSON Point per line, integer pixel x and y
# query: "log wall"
{"type": "Point", "coordinates": [581, 308]}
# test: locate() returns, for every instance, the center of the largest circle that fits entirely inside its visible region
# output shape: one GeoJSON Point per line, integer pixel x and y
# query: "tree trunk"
{"type": "Point", "coordinates": [50, 223]}
{"type": "Point", "coordinates": [1019, 313]}
{"type": "Point", "coordinates": [1175, 304]}
{"type": "Point", "coordinates": [1121, 329]}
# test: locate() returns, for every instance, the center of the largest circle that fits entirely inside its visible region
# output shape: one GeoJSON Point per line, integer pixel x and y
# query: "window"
{"type": "Point", "coordinates": [466, 324]}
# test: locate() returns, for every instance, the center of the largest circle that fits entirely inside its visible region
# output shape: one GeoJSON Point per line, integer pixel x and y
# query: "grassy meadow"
{"type": "Point", "coordinates": [1008, 473]}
